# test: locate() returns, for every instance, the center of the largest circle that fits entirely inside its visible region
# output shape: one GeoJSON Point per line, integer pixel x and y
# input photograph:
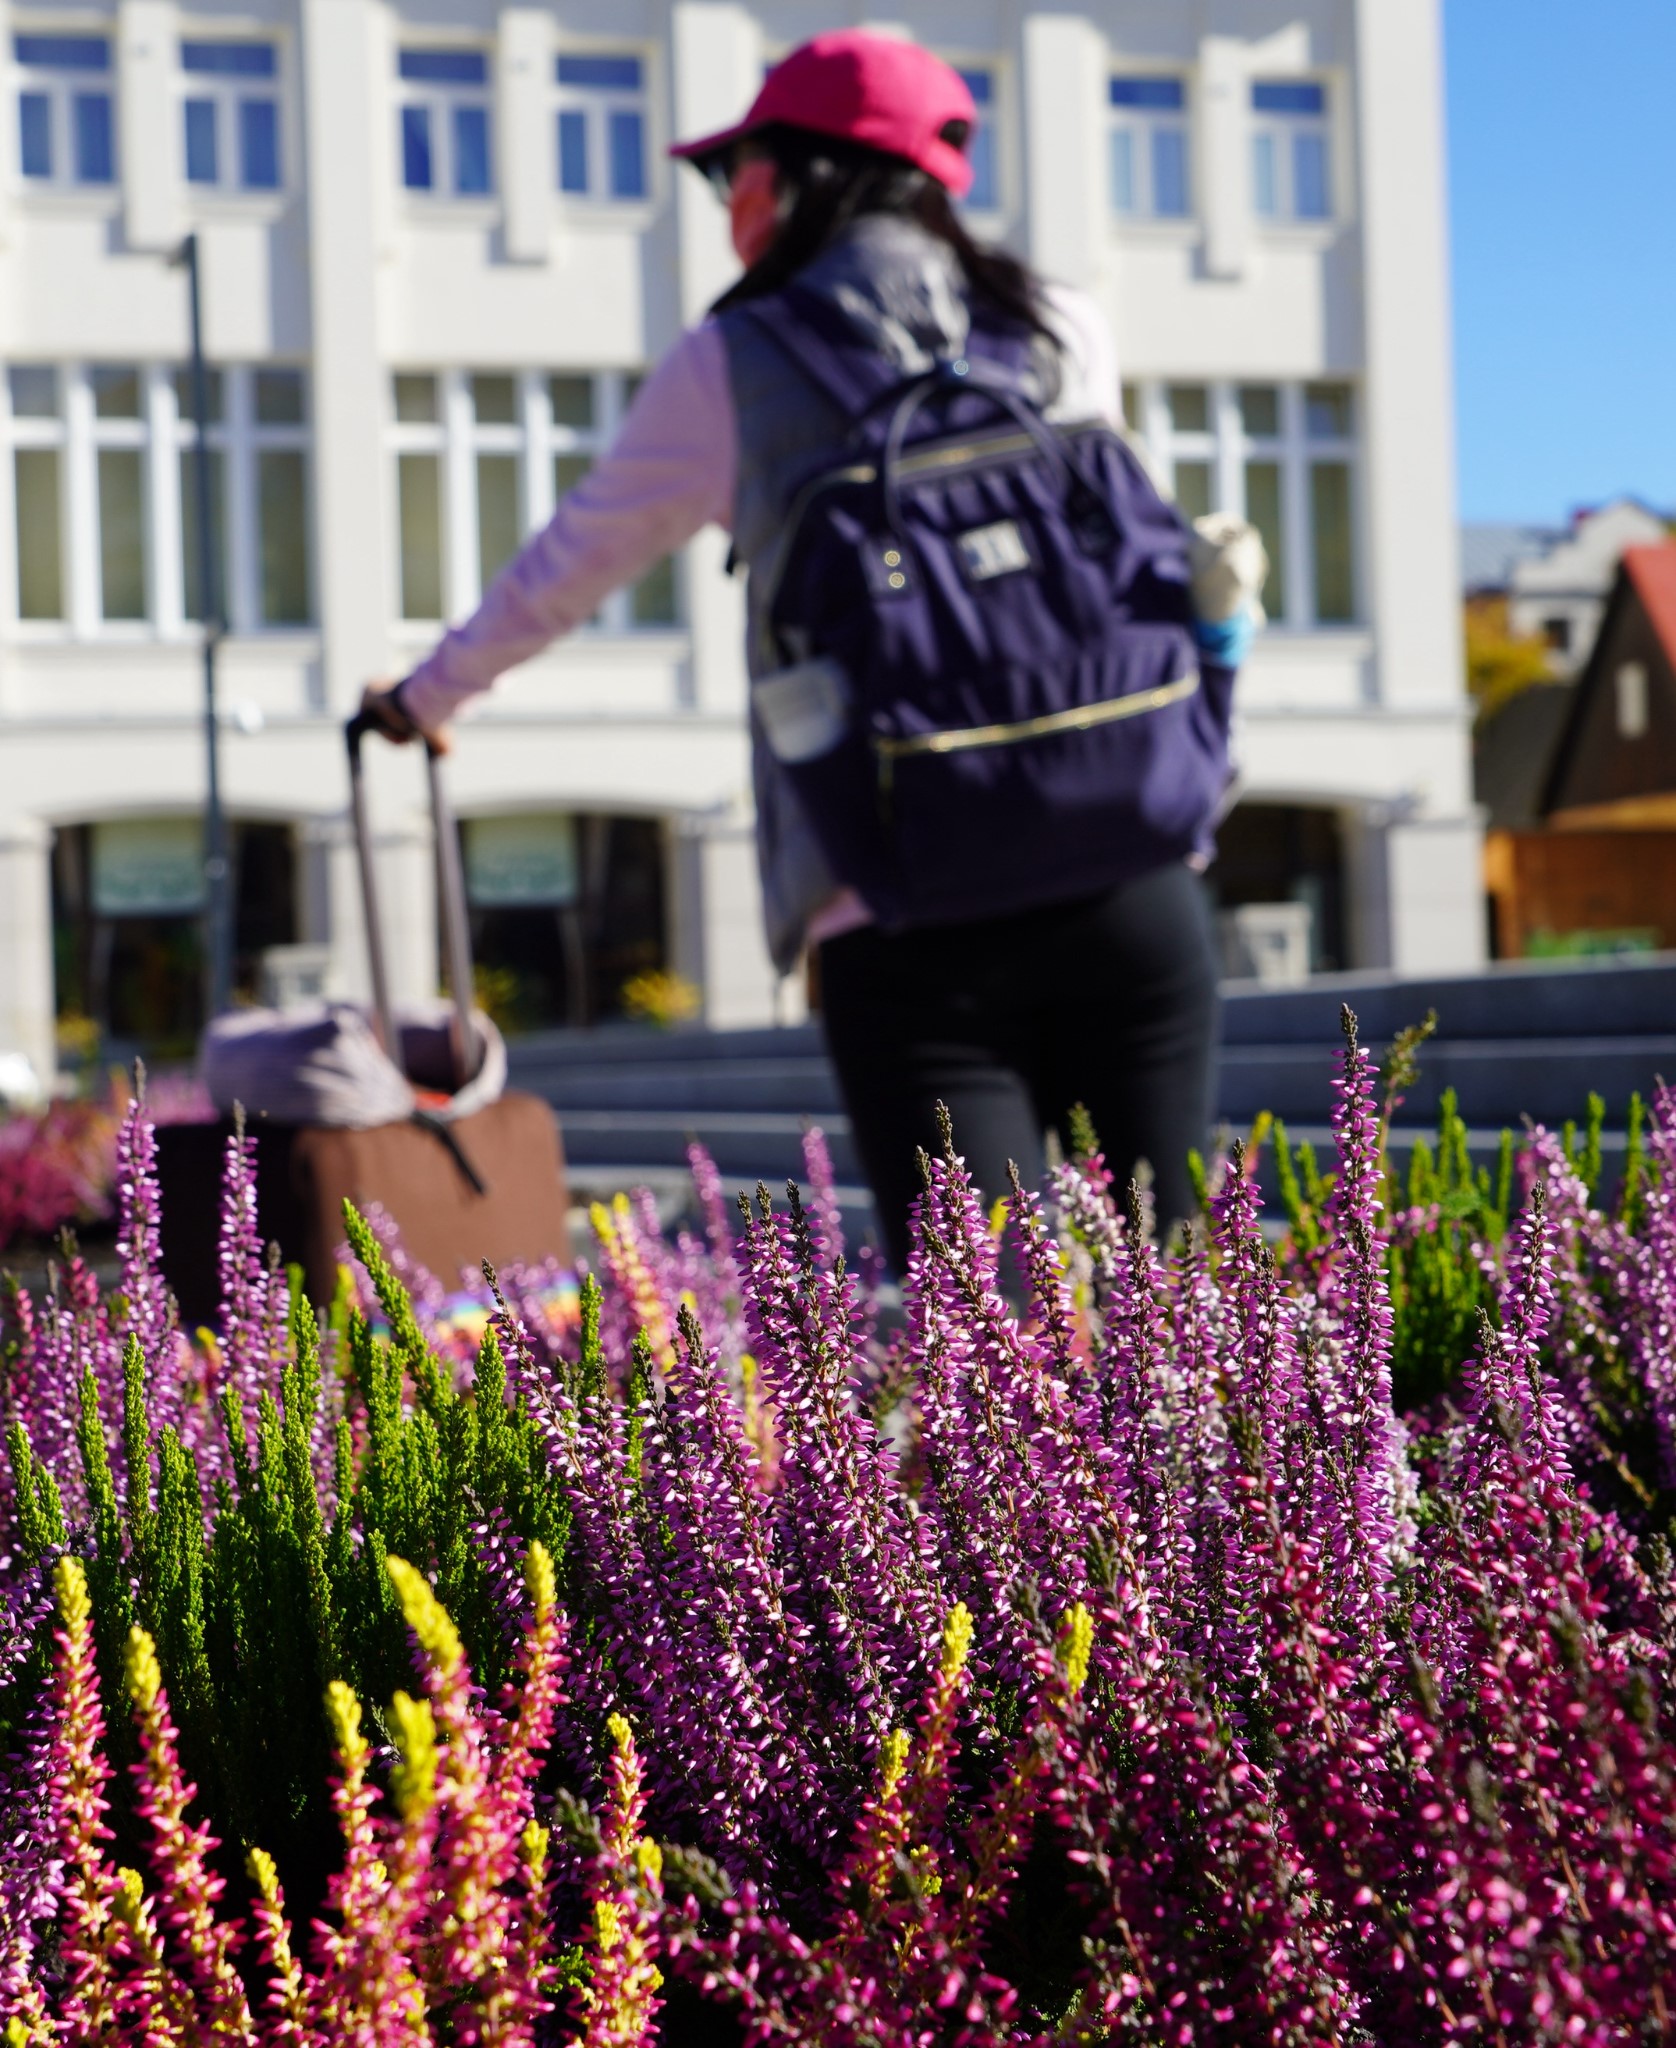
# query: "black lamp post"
{"type": "Point", "coordinates": [218, 874]}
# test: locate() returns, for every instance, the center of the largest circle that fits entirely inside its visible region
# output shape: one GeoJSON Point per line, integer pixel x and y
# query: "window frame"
{"type": "Point", "coordinates": [455, 439]}
{"type": "Point", "coordinates": [1225, 444]}
{"type": "Point", "coordinates": [162, 431]}
{"type": "Point", "coordinates": [61, 85]}
{"type": "Point", "coordinates": [441, 99]}
{"type": "Point", "coordinates": [224, 91]}
{"type": "Point", "coordinates": [596, 104]}
{"type": "Point", "coordinates": [1144, 124]}
{"type": "Point", "coordinates": [992, 120]}
{"type": "Point", "coordinates": [1275, 126]}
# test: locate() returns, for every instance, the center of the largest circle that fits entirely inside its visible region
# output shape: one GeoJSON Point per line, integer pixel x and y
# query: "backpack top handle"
{"type": "Point", "coordinates": [1090, 518]}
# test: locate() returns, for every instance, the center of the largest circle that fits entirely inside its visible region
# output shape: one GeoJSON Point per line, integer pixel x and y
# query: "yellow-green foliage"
{"type": "Point", "coordinates": [255, 1608]}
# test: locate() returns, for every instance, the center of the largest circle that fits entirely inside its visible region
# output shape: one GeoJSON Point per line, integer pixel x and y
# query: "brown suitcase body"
{"type": "Point", "coordinates": [446, 1224]}
{"type": "Point", "coordinates": [305, 1173]}
{"type": "Point", "coordinates": [490, 1185]}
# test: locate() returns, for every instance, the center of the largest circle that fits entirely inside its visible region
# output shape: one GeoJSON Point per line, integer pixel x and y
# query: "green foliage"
{"type": "Point", "coordinates": [1501, 664]}
{"type": "Point", "coordinates": [257, 1605]}
{"type": "Point", "coordinates": [1400, 1068]}
{"type": "Point", "coordinates": [1303, 1191]}
{"type": "Point", "coordinates": [1438, 1285]}
{"type": "Point", "coordinates": [1437, 1265]}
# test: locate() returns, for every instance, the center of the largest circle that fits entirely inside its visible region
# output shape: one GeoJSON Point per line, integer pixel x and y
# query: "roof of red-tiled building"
{"type": "Point", "coordinates": [1653, 572]}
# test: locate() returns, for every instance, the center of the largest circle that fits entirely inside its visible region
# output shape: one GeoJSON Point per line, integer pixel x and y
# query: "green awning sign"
{"type": "Point", "coordinates": [527, 861]}
{"type": "Point", "coordinates": [148, 867]}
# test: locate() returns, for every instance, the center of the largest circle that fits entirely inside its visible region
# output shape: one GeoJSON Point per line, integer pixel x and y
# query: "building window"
{"type": "Point", "coordinates": [985, 195]}
{"type": "Point", "coordinates": [257, 434]}
{"type": "Point", "coordinates": [127, 913]}
{"type": "Point", "coordinates": [37, 435]}
{"type": "Point", "coordinates": [1291, 150]}
{"type": "Point", "coordinates": [66, 132]}
{"type": "Point", "coordinates": [1630, 689]}
{"type": "Point", "coordinates": [444, 122]}
{"type": "Point", "coordinates": [119, 456]}
{"type": "Point", "coordinates": [105, 507]}
{"type": "Point", "coordinates": [602, 126]}
{"type": "Point", "coordinates": [1149, 157]}
{"type": "Point", "coordinates": [230, 112]}
{"type": "Point", "coordinates": [482, 458]}
{"type": "Point", "coordinates": [565, 910]}
{"type": "Point", "coordinates": [1283, 456]}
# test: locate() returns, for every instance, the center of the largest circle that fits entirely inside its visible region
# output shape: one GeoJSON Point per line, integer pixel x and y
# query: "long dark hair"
{"type": "Point", "coordinates": [828, 183]}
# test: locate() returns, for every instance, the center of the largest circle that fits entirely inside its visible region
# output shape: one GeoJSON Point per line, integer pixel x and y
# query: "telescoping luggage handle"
{"type": "Point", "coordinates": [451, 887]}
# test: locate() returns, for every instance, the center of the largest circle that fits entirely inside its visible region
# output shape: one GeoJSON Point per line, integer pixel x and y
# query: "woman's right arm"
{"type": "Point", "coordinates": [669, 472]}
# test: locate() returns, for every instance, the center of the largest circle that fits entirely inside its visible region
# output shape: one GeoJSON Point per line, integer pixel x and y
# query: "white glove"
{"type": "Point", "coordinates": [1230, 566]}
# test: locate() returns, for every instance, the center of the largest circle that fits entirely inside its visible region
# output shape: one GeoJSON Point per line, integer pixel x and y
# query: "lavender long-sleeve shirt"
{"type": "Point", "coordinates": [669, 473]}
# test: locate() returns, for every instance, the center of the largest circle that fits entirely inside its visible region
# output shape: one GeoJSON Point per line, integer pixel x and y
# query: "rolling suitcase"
{"type": "Point", "coordinates": [489, 1184]}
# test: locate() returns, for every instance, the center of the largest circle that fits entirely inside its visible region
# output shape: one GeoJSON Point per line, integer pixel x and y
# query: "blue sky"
{"type": "Point", "coordinates": [1562, 135]}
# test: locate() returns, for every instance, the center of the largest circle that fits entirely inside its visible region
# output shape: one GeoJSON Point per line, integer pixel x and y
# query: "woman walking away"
{"type": "Point", "coordinates": [990, 668]}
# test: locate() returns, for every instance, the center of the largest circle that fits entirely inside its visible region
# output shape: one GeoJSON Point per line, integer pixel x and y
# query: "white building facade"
{"type": "Point", "coordinates": [440, 241]}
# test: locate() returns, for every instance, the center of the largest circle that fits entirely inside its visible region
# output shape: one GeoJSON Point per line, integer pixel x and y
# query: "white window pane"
{"type": "Point", "coordinates": [279, 398]}
{"type": "Point", "coordinates": [1260, 411]}
{"type": "Point", "coordinates": [1327, 411]}
{"type": "Point", "coordinates": [201, 158]}
{"type": "Point", "coordinates": [122, 533]}
{"type": "Point", "coordinates": [1193, 494]}
{"type": "Point", "coordinates": [1265, 195]}
{"type": "Point", "coordinates": [282, 509]}
{"type": "Point", "coordinates": [34, 120]}
{"type": "Point", "coordinates": [1190, 408]}
{"type": "Point", "coordinates": [415, 397]}
{"type": "Point", "coordinates": [116, 393]}
{"type": "Point", "coordinates": [1335, 580]}
{"type": "Point", "coordinates": [572, 400]}
{"type": "Point", "coordinates": [471, 151]}
{"type": "Point", "coordinates": [980, 153]}
{"type": "Point", "coordinates": [654, 595]}
{"type": "Point", "coordinates": [34, 391]}
{"type": "Point", "coordinates": [1263, 509]}
{"type": "Point", "coordinates": [573, 150]}
{"type": "Point", "coordinates": [1169, 173]}
{"type": "Point", "coordinates": [499, 529]}
{"type": "Point", "coordinates": [186, 402]}
{"type": "Point", "coordinates": [627, 133]}
{"type": "Point", "coordinates": [421, 536]}
{"type": "Point", "coordinates": [95, 152]}
{"type": "Point", "coordinates": [1123, 170]}
{"type": "Point", "coordinates": [40, 578]}
{"type": "Point", "coordinates": [418, 172]}
{"type": "Point", "coordinates": [259, 145]}
{"type": "Point", "coordinates": [494, 401]}
{"type": "Point", "coordinates": [1309, 177]}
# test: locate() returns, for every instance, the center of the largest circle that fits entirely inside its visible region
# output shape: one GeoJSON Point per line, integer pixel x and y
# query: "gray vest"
{"type": "Point", "coordinates": [901, 288]}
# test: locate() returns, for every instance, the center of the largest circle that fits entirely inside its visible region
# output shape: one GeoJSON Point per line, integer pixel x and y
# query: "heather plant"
{"type": "Point", "coordinates": [55, 1169]}
{"type": "Point", "coordinates": [1148, 1677]}
{"type": "Point", "coordinates": [239, 1499]}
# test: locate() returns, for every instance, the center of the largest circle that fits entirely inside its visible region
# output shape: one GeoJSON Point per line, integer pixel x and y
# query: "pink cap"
{"type": "Point", "coordinates": [863, 87]}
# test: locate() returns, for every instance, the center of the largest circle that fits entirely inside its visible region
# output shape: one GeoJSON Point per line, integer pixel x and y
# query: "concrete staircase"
{"type": "Point", "coordinates": [1527, 1039]}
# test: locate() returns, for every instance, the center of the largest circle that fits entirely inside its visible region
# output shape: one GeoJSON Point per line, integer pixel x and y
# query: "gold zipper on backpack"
{"type": "Point", "coordinates": [890, 751]}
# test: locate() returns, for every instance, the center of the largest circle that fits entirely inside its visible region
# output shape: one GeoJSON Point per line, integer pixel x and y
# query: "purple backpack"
{"type": "Point", "coordinates": [979, 671]}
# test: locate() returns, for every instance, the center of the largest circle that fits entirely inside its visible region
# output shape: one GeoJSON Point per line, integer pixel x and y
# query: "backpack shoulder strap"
{"type": "Point", "coordinates": [809, 328]}
{"type": "Point", "coordinates": [813, 333]}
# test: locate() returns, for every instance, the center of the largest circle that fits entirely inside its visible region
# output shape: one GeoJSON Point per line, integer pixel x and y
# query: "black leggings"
{"type": "Point", "coordinates": [1110, 1002]}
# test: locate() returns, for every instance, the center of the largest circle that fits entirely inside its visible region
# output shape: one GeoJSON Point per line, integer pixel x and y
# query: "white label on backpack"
{"type": "Point", "coordinates": [996, 550]}
{"type": "Point", "coordinates": [805, 710]}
